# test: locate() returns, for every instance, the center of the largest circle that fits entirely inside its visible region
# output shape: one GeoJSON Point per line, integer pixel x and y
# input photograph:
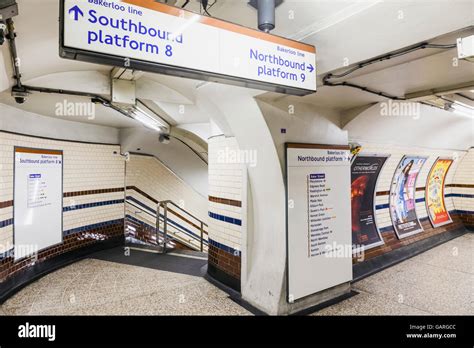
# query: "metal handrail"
{"type": "Point", "coordinates": [158, 218]}
{"type": "Point", "coordinates": [177, 206]}
{"type": "Point", "coordinates": [165, 204]}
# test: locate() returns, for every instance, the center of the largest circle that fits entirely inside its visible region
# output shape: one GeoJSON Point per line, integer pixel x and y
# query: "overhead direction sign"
{"type": "Point", "coordinates": [154, 37]}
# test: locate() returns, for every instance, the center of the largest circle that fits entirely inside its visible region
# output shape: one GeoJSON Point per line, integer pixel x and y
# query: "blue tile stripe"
{"type": "Point", "coordinates": [6, 223]}
{"type": "Point", "coordinates": [382, 206]}
{"type": "Point", "coordinates": [466, 212]}
{"type": "Point", "coordinates": [227, 219]}
{"type": "Point", "coordinates": [9, 222]}
{"type": "Point", "coordinates": [226, 248]}
{"type": "Point", "coordinates": [92, 205]}
{"type": "Point", "coordinates": [91, 227]}
{"type": "Point", "coordinates": [462, 195]}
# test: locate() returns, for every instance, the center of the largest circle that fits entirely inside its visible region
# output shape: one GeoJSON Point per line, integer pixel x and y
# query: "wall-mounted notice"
{"type": "Point", "coordinates": [318, 220]}
{"type": "Point", "coordinates": [403, 196]}
{"type": "Point", "coordinates": [434, 193]}
{"type": "Point", "coordinates": [152, 36]}
{"type": "Point", "coordinates": [38, 200]}
{"type": "Point", "coordinates": [365, 170]}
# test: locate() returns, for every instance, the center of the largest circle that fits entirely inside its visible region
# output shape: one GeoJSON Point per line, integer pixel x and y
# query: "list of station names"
{"type": "Point", "coordinates": [37, 189]}
{"type": "Point", "coordinates": [320, 214]}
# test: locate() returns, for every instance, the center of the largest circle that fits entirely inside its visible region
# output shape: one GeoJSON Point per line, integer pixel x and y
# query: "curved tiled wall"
{"type": "Point", "coordinates": [93, 204]}
{"type": "Point", "coordinates": [227, 200]}
{"type": "Point", "coordinates": [452, 186]}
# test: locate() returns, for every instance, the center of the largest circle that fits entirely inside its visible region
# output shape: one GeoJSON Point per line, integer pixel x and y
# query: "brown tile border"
{"type": "Point", "coordinates": [143, 193]}
{"type": "Point", "coordinates": [392, 242]}
{"type": "Point", "coordinates": [460, 185]}
{"type": "Point", "coordinates": [92, 192]}
{"type": "Point", "coordinates": [6, 204]}
{"type": "Point", "coordinates": [386, 193]}
{"type": "Point", "coordinates": [382, 193]}
{"type": "Point", "coordinates": [225, 201]}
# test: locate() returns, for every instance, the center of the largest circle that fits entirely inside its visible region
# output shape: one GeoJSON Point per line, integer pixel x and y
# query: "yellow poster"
{"type": "Point", "coordinates": [434, 193]}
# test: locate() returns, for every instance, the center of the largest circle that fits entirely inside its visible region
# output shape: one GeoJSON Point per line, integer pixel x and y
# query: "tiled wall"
{"type": "Point", "coordinates": [462, 189]}
{"type": "Point", "coordinates": [383, 219]}
{"type": "Point", "coordinates": [93, 187]}
{"type": "Point", "coordinates": [150, 181]}
{"type": "Point", "coordinates": [227, 201]}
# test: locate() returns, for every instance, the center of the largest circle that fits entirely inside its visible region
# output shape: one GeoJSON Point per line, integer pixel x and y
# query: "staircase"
{"type": "Point", "coordinates": [169, 227]}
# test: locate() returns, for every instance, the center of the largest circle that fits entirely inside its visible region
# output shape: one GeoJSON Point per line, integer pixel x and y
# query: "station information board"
{"type": "Point", "coordinates": [155, 37]}
{"type": "Point", "coordinates": [38, 197]}
{"type": "Point", "coordinates": [319, 241]}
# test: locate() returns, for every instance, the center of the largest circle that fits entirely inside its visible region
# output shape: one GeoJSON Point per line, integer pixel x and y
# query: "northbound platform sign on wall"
{"type": "Point", "coordinates": [151, 36]}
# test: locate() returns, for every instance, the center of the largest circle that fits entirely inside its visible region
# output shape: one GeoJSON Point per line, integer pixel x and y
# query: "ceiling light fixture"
{"type": "Point", "coordinates": [462, 109]}
{"type": "Point", "coordinates": [149, 119]}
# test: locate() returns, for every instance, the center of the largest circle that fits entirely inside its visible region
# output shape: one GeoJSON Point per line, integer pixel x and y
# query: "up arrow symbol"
{"type": "Point", "coordinates": [76, 11]}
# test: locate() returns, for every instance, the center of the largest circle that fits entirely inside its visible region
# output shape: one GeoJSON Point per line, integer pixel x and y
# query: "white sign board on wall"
{"type": "Point", "coordinates": [152, 36]}
{"type": "Point", "coordinates": [319, 218]}
{"type": "Point", "coordinates": [38, 200]}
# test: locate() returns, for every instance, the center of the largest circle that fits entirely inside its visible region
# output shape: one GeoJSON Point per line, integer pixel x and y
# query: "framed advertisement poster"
{"type": "Point", "coordinates": [365, 171]}
{"type": "Point", "coordinates": [434, 193]}
{"type": "Point", "coordinates": [403, 196]}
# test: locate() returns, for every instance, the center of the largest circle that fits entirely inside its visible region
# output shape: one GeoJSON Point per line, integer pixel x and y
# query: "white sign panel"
{"type": "Point", "coordinates": [167, 36]}
{"type": "Point", "coordinates": [319, 218]}
{"type": "Point", "coordinates": [38, 200]}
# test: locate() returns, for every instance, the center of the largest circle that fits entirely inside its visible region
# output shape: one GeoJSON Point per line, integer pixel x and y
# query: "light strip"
{"type": "Point", "coordinates": [148, 119]}
{"type": "Point", "coordinates": [462, 109]}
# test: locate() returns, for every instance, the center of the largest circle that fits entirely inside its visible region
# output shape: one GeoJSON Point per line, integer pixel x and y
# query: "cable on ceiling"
{"type": "Point", "coordinates": [328, 77]}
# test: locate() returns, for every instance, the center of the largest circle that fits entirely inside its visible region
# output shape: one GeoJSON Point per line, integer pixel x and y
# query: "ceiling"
{"type": "Point", "coordinates": [311, 21]}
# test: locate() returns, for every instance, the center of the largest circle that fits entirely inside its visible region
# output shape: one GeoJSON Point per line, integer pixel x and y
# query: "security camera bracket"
{"type": "Point", "coordinates": [9, 11]}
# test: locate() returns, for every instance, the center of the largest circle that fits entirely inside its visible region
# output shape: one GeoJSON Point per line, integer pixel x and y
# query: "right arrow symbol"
{"type": "Point", "coordinates": [76, 11]}
{"type": "Point", "coordinates": [310, 68]}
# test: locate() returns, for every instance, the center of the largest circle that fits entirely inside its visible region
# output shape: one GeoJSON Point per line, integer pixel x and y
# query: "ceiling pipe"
{"type": "Point", "coordinates": [266, 13]}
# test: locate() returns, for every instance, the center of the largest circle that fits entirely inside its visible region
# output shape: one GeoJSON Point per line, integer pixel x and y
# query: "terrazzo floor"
{"type": "Point", "coordinates": [97, 287]}
{"type": "Point", "coordinates": [439, 281]}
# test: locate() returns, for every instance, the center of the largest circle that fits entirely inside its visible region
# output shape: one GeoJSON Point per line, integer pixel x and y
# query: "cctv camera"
{"type": "Point", "coordinates": [164, 138]}
{"type": "Point", "coordinates": [20, 94]}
